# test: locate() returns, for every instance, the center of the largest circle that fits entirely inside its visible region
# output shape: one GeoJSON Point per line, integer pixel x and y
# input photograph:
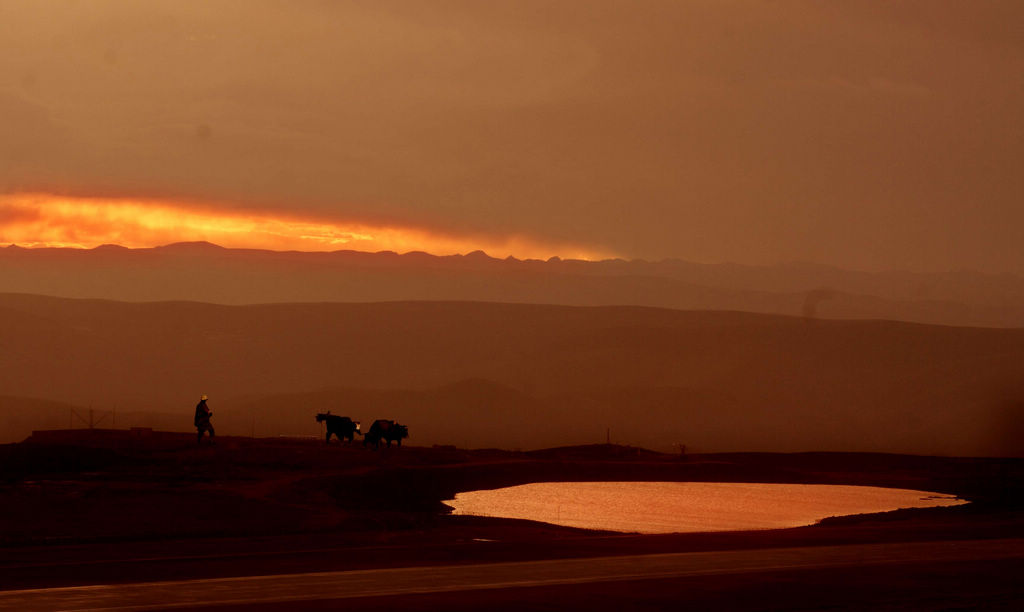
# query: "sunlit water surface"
{"type": "Point", "coordinates": [670, 507]}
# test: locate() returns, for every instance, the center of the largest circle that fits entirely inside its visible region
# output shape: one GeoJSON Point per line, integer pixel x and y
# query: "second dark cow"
{"type": "Point", "coordinates": [389, 431]}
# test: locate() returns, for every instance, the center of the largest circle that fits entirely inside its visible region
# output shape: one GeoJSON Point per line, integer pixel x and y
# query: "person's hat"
{"type": "Point", "coordinates": [203, 397]}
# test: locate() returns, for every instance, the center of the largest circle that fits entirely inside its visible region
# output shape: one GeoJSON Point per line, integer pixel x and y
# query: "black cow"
{"type": "Point", "coordinates": [343, 427]}
{"type": "Point", "coordinates": [389, 431]}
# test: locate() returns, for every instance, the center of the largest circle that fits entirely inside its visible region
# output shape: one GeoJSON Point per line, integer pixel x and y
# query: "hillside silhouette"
{"type": "Point", "coordinates": [524, 376]}
{"type": "Point", "coordinates": [200, 271]}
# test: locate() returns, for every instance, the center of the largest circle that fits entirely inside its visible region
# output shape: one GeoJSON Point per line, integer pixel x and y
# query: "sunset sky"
{"type": "Point", "coordinates": [870, 135]}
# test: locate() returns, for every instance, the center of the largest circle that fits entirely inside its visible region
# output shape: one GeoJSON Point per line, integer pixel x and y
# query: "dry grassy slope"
{"type": "Point", "coordinates": [713, 380]}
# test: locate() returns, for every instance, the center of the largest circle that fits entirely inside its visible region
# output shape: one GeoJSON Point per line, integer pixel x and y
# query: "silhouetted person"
{"type": "Point", "coordinates": [202, 420]}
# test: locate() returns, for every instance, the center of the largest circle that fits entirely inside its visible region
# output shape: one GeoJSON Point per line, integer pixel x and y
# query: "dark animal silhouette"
{"type": "Point", "coordinates": [341, 426]}
{"type": "Point", "coordinates": [389, 431]}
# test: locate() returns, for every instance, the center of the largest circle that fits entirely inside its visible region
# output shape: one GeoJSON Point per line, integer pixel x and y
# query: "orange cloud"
{"type": "Point", "coordinates": [44, 220]}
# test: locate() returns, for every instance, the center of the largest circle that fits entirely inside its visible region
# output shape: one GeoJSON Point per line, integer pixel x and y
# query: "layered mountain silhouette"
{"type": "Point", "coordinates": [209, 273]}
{"type": "Point", "coordinates": [522, 376]}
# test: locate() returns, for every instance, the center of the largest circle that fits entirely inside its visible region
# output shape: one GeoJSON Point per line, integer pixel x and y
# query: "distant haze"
{"type": "Point", "coordinates": [205, 272]}
{"type": "Point", "coordinates": [872, 135]}
{"type": "Point", "coordinates": [517, 375]}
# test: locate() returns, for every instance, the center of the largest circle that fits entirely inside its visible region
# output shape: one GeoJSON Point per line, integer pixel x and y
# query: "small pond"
{"type": "Point", "coordinates": [674, 507]}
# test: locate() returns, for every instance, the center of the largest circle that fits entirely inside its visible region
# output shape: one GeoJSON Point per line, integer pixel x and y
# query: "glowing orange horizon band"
{"type": "Point", "coordinates": [44, 220]}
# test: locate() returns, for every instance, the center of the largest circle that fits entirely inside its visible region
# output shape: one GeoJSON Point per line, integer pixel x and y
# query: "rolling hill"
{"type": "Point", "coordinates": [525, 376]}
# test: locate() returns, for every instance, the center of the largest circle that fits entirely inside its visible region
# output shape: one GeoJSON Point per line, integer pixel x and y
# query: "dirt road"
{"type": "Point", "coordinates": [321, 586]}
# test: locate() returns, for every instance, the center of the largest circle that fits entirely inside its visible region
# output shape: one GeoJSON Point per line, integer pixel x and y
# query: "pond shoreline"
{"type": "Point", "coordinates": [423, 488]}
{"type": "Point", "coordinates": [271, 505]}
{"type": "Point", "coordinates": [687, 507]}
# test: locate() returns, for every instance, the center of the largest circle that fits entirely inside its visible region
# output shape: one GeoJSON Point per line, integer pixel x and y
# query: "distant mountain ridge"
{"type": "Point", "coordinates": [206, 272]}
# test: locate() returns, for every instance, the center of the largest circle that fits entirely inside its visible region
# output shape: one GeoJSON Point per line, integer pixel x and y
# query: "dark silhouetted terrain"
{"type": "Point", "coordinates": [519, 376]}
{"type": "Point", "coordinates": [133, 485]}
{"type": "Point", "coordinates": [109, 507]}
{"type": "Point", "coordinates": [208, 273]}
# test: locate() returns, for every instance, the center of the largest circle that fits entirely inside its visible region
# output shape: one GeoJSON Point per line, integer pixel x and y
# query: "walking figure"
{"type": "Point", "coordinates": [202, 420]}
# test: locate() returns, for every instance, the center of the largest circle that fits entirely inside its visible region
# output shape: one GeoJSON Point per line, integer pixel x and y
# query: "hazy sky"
{"type": "Point", "coordinates": [863, 134]}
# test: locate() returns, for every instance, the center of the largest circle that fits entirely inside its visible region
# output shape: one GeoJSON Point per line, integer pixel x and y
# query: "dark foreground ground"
{"type": "Point", "coordinates": [91, 508]}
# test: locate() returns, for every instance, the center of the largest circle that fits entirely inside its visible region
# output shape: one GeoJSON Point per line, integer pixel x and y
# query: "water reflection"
{"type": "Point", "coordinates": [667, 507]}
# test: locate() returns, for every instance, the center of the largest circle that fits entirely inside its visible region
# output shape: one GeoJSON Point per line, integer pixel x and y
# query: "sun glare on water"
{"type": "Point", "coordinates": [43, 220]}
